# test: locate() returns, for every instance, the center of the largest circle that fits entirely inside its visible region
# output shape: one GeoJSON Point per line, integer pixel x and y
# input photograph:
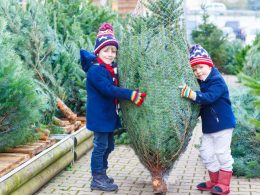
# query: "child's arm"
{"type": "Point", "coordinates": [214, 91]}
{"type": "Point", "coordinates": [105, 87]}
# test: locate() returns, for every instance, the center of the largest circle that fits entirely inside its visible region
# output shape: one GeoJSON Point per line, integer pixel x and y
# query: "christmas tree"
{"type": "Point", "coordinates": [153, 57]}
{"type": "Point", "coordinates": [20, 104]}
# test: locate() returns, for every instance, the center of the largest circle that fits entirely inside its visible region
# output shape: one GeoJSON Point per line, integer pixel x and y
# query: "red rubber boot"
{"type": "Point", "coordinates": [207, 186]}
{"type": "Point", "coordinates": [223, 186]}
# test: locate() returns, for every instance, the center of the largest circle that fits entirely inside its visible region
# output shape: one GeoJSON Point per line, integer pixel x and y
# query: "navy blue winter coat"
{"type": "Point", "coordinates": [216, 112]}
{"type": "Point", "coordinates": [101, 93]}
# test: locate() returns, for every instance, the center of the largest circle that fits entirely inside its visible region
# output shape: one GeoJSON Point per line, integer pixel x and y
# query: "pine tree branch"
{"type": "Point", "coordinates": [3, 118]}
{"type": "Point", "coordinates": [47, 54]}
{"type": "Point", "coordinates": [10, 21]}
{"type": "Point", "coordinates": [40, 76]}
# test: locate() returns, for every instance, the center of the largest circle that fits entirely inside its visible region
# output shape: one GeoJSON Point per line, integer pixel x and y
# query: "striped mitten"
{"type": "Point", "coordinates": [138, 97]}
{"type": "Point", "coordinates": [187, 92]}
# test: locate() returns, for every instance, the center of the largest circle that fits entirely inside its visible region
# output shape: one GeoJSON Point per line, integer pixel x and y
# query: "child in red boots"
{"type": "Point", "coordinates": [103, 93]}
{"type": "Point", "coordinates": [218, 121]}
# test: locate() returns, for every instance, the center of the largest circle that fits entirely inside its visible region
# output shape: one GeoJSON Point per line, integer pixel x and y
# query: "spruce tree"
{"type": "Point", "coordinates": [38, 46]}
{"type": "Point", "coordinates": [153, 57]}
{"type": "Point", "coordinates": [35, 43]}
{"type": "Point", "coordinates": [251, 65]}
{"type": "Point", "coordinates": [75, 23]}
{"type": "Point", "coordinates": [212, 39]}
{"type": "Point", "coordinates": [246, 137]}
{"type": "Point", "coordinates": [254, 86]}
{"type": "Point", "coordinates": [20, 103]}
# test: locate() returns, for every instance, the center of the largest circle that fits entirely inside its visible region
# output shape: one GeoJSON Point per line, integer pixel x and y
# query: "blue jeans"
{"type": "Point", "coordinates": [104, 144]}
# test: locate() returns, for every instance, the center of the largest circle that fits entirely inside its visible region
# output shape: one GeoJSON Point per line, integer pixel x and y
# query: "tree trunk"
{"type": "Point", "coordinates": [73, 127]}
{"type": "Point", "coordinates": [159, 185]}
{"type": "Point", "coordinates": [72, 117]}
{"type": "Point", "coordinates": [58, 122]}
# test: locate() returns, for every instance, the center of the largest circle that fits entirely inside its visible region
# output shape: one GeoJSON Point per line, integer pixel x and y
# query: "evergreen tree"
{"type": "Point", "coordinates": [153, 57]}
{"type": "Point", "coordinates": [251, 66]}
{"type": "Point", "coordinates": [20, 104]}
{"type": "Point", "coordinates": [75, 23]}
{"type": "Point", "coordinates": [38, 46]}
{"type": "Point", "coordinates": [35, 42]}
{"type": "Point", "coordinates": [246, 140]}
{"type": "Point", "coordinates": [66, 15]}
{"type": "Point", "coordinates": [235, 57]}
{"type": "Point", "coordinates": [212, 39]}
{"type": "Point", "coordinates": [254, 85]}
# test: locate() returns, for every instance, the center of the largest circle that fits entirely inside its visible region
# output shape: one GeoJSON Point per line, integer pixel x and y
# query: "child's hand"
{"type": "Point", "coordinates": [138, 97]}
{"type": "Point", "coordinates": [187, 92]}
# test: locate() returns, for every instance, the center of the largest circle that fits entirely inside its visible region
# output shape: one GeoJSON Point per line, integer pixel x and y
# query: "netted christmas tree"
{"type": "Point", "coordinates": [153, 57]}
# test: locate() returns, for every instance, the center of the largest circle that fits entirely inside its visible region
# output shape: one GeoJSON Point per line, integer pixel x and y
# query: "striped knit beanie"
{"type": "Point", "coordinates": [105, 37]}
{"type": "Point", "coordinates": [198, 55]}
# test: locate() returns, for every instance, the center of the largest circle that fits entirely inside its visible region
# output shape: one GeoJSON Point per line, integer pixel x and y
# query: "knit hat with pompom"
{"type": "Point", "coordinates": [105, 37]}
{"type": "Point", "coordinates": [198, 55]}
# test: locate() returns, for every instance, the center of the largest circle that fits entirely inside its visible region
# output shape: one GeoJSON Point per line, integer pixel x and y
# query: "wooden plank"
{"type": "Point", "coordinates": [18, 155]}
{"type": "Point", "coordinates": [9, 161]}
{"type": "Point", "coordinates": [48, 142]}
{"type": "Point", "coordinates": [32, 149]}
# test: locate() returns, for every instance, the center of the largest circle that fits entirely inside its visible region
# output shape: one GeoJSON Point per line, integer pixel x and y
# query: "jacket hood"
{"type": "Point", "coordinates": [87, 59]}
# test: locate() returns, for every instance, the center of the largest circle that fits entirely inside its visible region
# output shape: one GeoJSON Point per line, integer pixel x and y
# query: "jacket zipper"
{"type": "Point", "coordinates": [215, 114]}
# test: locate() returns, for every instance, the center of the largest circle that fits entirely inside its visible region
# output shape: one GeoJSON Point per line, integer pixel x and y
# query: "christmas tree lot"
{"type": "Point", "coordinates": [45, 37]}
{"type": "Point", "coordinates": [153, 57]}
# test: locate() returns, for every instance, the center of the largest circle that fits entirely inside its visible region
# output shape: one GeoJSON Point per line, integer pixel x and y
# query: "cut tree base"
{"type": "Point", "coordinates": [159, 185]}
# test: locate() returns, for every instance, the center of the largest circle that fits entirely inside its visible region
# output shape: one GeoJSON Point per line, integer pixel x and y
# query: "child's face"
{"type": "Point", "coordinates": [108, 54]}
{"type": "Point", "coordinates": [201, 71]}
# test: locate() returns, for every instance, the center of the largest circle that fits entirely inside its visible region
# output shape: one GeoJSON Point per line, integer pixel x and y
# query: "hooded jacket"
{"type": "Point", "coordinates": [101, 115]}
{"type": "Point", "coordinates": [216, 112]}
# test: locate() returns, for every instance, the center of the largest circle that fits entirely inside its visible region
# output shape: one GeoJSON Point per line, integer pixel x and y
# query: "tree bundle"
{"type": "Point", "coordinates": [154, 58]}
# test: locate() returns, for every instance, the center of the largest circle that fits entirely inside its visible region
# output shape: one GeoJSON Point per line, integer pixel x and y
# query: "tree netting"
{"type": "Point", "coordinates": [153, 57]}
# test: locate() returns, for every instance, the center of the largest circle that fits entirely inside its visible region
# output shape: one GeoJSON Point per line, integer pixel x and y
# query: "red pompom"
{"type": "Point", "coordinates": [106, 26]}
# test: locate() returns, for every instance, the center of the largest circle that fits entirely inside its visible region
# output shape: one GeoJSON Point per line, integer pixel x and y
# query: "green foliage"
{"type": "Point", "coordinates": [245, 144]}
{"type": "Point", "coordinates": [76, 24]}
{"type": "Point", "coordinates": [48, 36]}
{"type": "Point", "coordinates": [52, 128]}
{"type": "Point", "coordinates": [235, 57]}
{"type": "Point", "coordinates": [77, 20]}
{"type": "Point", "coordinates": [212, 39]}
{"type": "Point", "coordinates": [35, 42]}
{"type": "Point", "coordinates": [20, 103]}
{"type": "Point", "coordinates": [252, 60]}
{"type": "Point", "coordinates": [254, 85]}
{"type": "Point", "coordinates": [122, 138]}
{"type": "Point", "coordinates": [163, 13]}
{"type": "Point", "coordinates": [161, 128]}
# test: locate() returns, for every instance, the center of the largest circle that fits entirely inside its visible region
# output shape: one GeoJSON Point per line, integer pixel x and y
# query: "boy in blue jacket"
{"type": "Point", "coordinates": [102, 103]}
{"type": "Point", "coordinates": [217, 118]}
